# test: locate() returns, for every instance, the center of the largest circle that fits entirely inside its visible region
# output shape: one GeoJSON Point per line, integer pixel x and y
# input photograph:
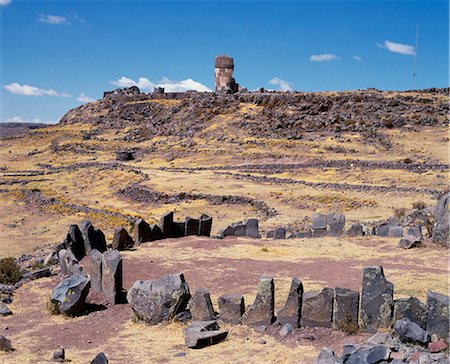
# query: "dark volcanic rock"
{"type": "Point", "coordinates": [231, 308]}
{"type": "Point", "coordinates": [88, 233]}
{"type": "Point", "coordinates": [345, 308]}
{"type": "Point", "coordinates": [441, 229]}
{"type": "Point", "coordinates": [355, 229]}
{"type": "Point", "coordinates": [327, 356]}
{"type": "Point", "coordinates": [408, 331]}
{"type": "Point", "coordinates": [377, 299]}
{"type": "Point", "coordinates": [335, 224]}
{"type": "Point", "coordinates": [191, 226]}
{"type": "Point", "coordinates": [261, 312]}
{"type": "Point", "coordinates": [122, 240]}
{"type": "Point", "coordinates": [438, 314]}
{"type": "Point", "coordinates": [4, 310]}
{"type": "Point", "coordinates": [75, 242]}
{"type": "Point", "coordinates": [71, 293]}
{"type": "Point", "coordinates": [166, 224]}
{"type": "Point", "coordinates": [100, 359]}
{"type": "Point", "coordinates": [409, 242]}
{"type": "Point", "coordinates": [96, 270]}
{"type": "Point", "coordinates": [201, 306]}
{"type": "Point", "coordinates": [142, 231]}
{"type": "Point", "coordinates": [5, 344]}
{"type": "Point", "coordinates": [317, 308]}
{"type": "Point", "coordinates": [279, 233]}
{"type": "Point", "coordinates": [124, 156]}
{"type": "Point", "coordinates": [205, 225]}
{"type": "Point", "coordinates": [201, 334]}
{"type": "Point", "coordinates": [252, 228]}
{"type": "Point", "coordinates": [112, 276]}
{"type": "Point", "coordinates": [157, 233]}
{"type": "Point", "coordinates": [292, 311]}
{"type": "Point", "coordinates": [412, 309]}
{"type": "Point", "coordinates": [238, 229]}
{"type": "Point", "coordinates": [160, 299]}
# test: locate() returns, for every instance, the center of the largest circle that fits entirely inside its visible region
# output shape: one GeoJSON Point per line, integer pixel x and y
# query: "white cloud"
{"type": "Point", "coordinates": [357, 58]}
{"type": "Point", "coordinates": [84, 98]}
{"type": "Point", "coordinates": [18, 119]}
{"type": "Point", "coordinates": [323, 57]}
{"type": "Point", "coordinates": [169, 85]}
{"type": "Point", "coordinates": [27, 90]}
{"type": "Point", "coordinates": [398, 47]}
{"type": "Point", "coordinates": [53, 19]}
{"type": "Point", "coordinates": [283, 85]}
{"type": "Point", "coordinates": [5, 2]}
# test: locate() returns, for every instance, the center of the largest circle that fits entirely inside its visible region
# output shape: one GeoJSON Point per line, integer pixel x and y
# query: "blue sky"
{"type": "Point", "coordinates": [56, 55]}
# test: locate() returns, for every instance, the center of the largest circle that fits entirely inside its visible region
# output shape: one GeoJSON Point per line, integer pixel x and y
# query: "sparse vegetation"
{"type": "Point", "coordinates": [53, 307]}
{"type": "Point", "coordinates": [419, 205]}
{"type": "Point", "coordinates": [9, 271]}
{"type": "Point", "coordinates": [400, 212]}
{"type": "Point", "coordinates": [348, 326]}
{"type": "Point", "coordinates": [265, 249]}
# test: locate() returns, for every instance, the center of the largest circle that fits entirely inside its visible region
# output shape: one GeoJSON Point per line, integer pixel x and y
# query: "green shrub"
{"type": "Point", "coordinates": [9, 271]}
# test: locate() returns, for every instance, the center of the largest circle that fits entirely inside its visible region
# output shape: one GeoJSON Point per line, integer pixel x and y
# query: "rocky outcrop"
{"type": "Point", "coordinates": [441, 229]}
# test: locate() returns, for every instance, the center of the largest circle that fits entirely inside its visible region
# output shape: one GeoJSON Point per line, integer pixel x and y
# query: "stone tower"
{"type": "Point", "coordinates": [224, 67]}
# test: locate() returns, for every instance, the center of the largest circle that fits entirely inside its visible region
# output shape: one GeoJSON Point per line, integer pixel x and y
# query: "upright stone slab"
{"type": "Point", "coordinates": [201, 306]}
{"type": "Point", "coordinates": [122, 240]}
{"type": "Point", "coordinates": [252, 228]}
{"type": "Point", "coordinates": [355, 229]}
{"type": "Point", "coordinates": [317, 308]}
{"type": "Point", "coordinates": [178, 229]}
{"type": "Point", "coordinates": [261, 312]}
{"type": "Point", "coordinates": [395, 231]}
{"type": "Point", "coordinates": [75, 242]}
{"type": "Point", "coordinates": [319, 225]}
{"type": "Point", "coordinates": [88, 233]}
{"type": "Point", "coordinates": [382, 229]}
{"type": "Point", "coordinates": [166, 224]}
{"type": "Point", "coordinates": [99, 242]}
{"type": "Point", "coordinates": [142, 231]}
{"type": "Point", "coordinates": [441, 229]}
{"type": "Point", "coordinates": [205, 224]}
{"type": "Point", "coordinates": [231, 308]}
{"type": "Point", "coordinates": [239, 229]}
{"type": "Point", "coordinates": [62, 258]}
{"type": "Point", "coordinates": [228, 231]}
{"type": "Point", "coordinates": [438, 314]}
{"type": "Point", "coordinates": [279, 233]}
{"type": "Point", "coordinates": [96, 270]}
{"type": "Point", "coordinates": [157, 233]}
{"type": "Point", "coordinates": [191, 226]}
{"type": "Point", "coordinates": [345, 309]}
{"type": "Point", "coordinates": [412, 309]}
{"type": "Point", "coordinates": [335, 224]}
{"type": "Point", "coordinates": [112, 276]}
{"type": "Point", "coordinates": [377, 299]}
{"type": "Point", "coordinates": [72, 264]}
{"type": "Point", "coordinates": [291, 313]}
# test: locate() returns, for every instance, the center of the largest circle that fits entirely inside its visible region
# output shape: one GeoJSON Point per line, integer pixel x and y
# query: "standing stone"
{"type": "Point", "coordinates": [72, 264]}
{"type": "Point", "coordinates": [438, 314]}
{"type": "Point", "coordinates": [201, 306]}
{"type": "Point", "coordinates": [122, 240]}
{"type": "Point", "coordinates": [252, 228]}
{"type": "Point", "coordinates": [319, 225]}
{"type": "Point", "coordinates": [317, 308]}
{"type": "Point", "coordinates": [88, 233]}
{"type": "Point", "coordinates": [335, 224]}
{"type": "Point", "coordinates": [291, 313]}
{"type": "Point", "coordinates": [71, 293]}
{"type": "Point", "coordinates": [412, 309]}
{"type": "Point", "coordinates": [228, 231]}
{"type": "Point", "coordinates": [75, 242]}
{"type": "Point", "coordinates": [441, 229]}
{"type": "Point", "coordinates": [239, 229]}
{"type": "Point", "coordinates": [415, 231]}
{"type": "Point", "coordinates": [159, 300]}
{"type": "Point", "coordinates": [96, 270]}
{"type": "Point", "coordinates": [156, 232]}
{"type": "Point", "coordinates": [261, 312]}
{"type": "Point", "coordinates": [204, 228]}
{"type": "Point", "coordinates": [166, 224]}
{"type": "Point", "coordinates": [382, 229]}
{"type": "Point", "coordinates": [377, 299]}
{"type": "Point", "coordinates": [355, 229]}
{"type": "Point", "coordinates": [112, 276]}
{"type": "Point", "coordinates": [395, 231]}
{"type": "Point", "coordinates": [62, 257]}
{"type": "Point", "coordinates": [99, 242]}
{"type": "Point", "coordinates": [142, 232]}
{"type": "Point", "coordinates": [231, 308]}
{"type": "Point", "coordinates": [191, 226]}
{"type": "Point", "coordinates": [178, 229]}
{"type": "Point", "coordinates": [345, 309]}
{"type": "Point", "coordinates": [279, 233]}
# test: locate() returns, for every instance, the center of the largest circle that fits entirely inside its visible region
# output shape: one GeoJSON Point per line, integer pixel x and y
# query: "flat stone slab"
{"type": "Point", "coordinates": [317, 308]}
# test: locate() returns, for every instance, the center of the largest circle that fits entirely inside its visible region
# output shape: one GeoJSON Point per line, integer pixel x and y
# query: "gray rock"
{"type": "Point", "coordinates": [112, 276]}
{"type": "Point", "coordinates": [100, 359]}
{"type": "Point", "coordinates": [279, 233]}
{"type": "Point", "coordinates": [317, 308]}
{"type": "Point", "coordinates": [156, 232]}
{"type": "Point", "coordinates": [327, 356]}
{"type": "Point", "coordinates": [409, 331]}
{"type": "Point", "coordinates": [335, 224]}
{"type": "Point", "coordinates": [5, 344]}
{"type": "Point", "coordinates": [70, 264]}
{"type": "Point", "coordinates": [4, 310]}
{"type": "Point", "coordinates": [377, 299]}
{"type": "Point", "coordinates": [291, 313]}
{"type": "Point", "coordinates": [124, 155]}
{"type": "Point", "coordinates": [59, 355]}
{"type": "Point", "coordinates": [50, 259]}
{"type": "Point", "coordinates": [411, 308]}
{"type": "Point", "coordinates": [358, 356]}
{"type": "Point", "coordinates": [409, 242]}
{"type": "Point", "coordinates": [166, 224]}
{"type": "Point", "coordinates": [191, 226]}
{"type": "Point", "coordinates": [382, 230]}
{"type": "Point", "coordinates": [122, 240]}
{"type": "Point", "coordinates": [319, 221]}
{"type": "Point", "coordinates": [286, 330]}
{"type": "Point", "coordinates": [441, 229]}
{"type": "Point", "coordinates": [201, 334]}
{"type": "Point", "coordinates": [183, 316]}
{"type": "Point", "coordinates": [270, 234]}
{"type": "Point", "coordinates": [95, 264]}
{"type": "Point", "coordinates": [345, 309]}
{"type": "Point", "coordinates": [395, 231]}
{"type": "Point", "coordinates": [355, 229]}
{"type": "Point", "coordinates": [179, 229]}
{"type": "Point", "coordinates": [142, 231]}
{"type": "Point", "coordinates": [415, 231]}
{"type": "Point", "coordinates": [75, 242]}
{"type": "Point", "coordinates": [252, 228]}
{"type": "Point", "coordinates": [239, 229]}
{"type": "Point", "coordinates": [71, 293]}
{"type": "Point", "coordinates": [438, 314]}
{"type": "Point", "coordinates": [88, 234]}
{"type": "Point", "coordinates": [159, 300]}
{"type": "Point", "coordinates": [261, 312]}
{"type": "Point", "coordinates": [205, 225]}
{"type": "Point", "coordinates": [199, 326]}
{"type": "Point", "coordinates": [201, 306]}
{"type": "Point", "coordinates": [99, 241]}
{"type": "Point", "coordinates": [377, 354]}
{"type": "Point", "coordinates": [231, 308]}
{"type": "Point", "coordinates": [228, 231]}
{"type": "Point", "coordinates": [38, 273]}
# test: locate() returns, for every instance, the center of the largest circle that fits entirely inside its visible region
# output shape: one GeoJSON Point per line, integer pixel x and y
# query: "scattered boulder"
{"type": "Point", "coordinates": [159, 300]}
{"type": "Point", "coordinates": [59, 355]}
{"type": "Point", "coordinates": [70, 294]}
{"type": "Point", "coordinates": [412, 309]}
{"type": "Point", "coordinates": [231, 308]}
{"type": "Point", "coordinates": [38, 273]}
{"type": "Point", "coordinates": [415, 230]}
{"type": "Point", "coordinates": [122, 240]}
{"type": "Point", "coordinates": [72, 264]}
{"type": "Point", "coordinates": [252, 228]}
{"type": "Point", "coordinates": [382, 229]}
{"type": "Point", "coordinates": [441, 229]}
{"type": "Point", "coordinates": [409, 242]}
{"type": "Point", "coordinates": [377, 299]}
{"type": "Point", "coordinates": [286, 330]}
{"type": "Point", "coordinates": [111, 274]}
{"type": "Point", "coordinates": [4, 310]}
{"type": "Point", "coordinates": [201, 334]}
{"type": "Point", "coordinates": [201, 306]}
{"type": "Point", "coordinates": [191, 226]}
{"type": "Point", "coordinates": [261, 312]}
{"type": "Point", "coordinates": [356, 229]}
{"type": "Point", "coordinates": [409, 331]}
{"type": "Point", "coordinates": [438, 314]}
{"type": "Point", "coordinates": [238, 229]}
{"type": "Point", "coordinates": [95, 265]}
{"type": "Point", "coordinates": [317, 308]}
{"type": "Point", "coordinates": [142, 231]}
{"type": "Point", "coordinates": [124, 155]}
{"type": "Point", "coordinates": [205, 225]}
{"type": "Point", "coordinates": [292, 311]}
{"type": "Point", "coordinates": [100, 359]}
{"type": "Point", "coordinates": [345, 309]}
{"type": "Point", "coordinates": [327, 356]}
{"type": "Point", "coordinates": [5, 344]}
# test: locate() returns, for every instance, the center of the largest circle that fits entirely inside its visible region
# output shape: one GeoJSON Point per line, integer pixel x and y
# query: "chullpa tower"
{"type": "Point", "coordinates": [224, 67]}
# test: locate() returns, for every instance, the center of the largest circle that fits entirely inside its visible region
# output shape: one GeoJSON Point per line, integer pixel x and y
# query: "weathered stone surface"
{"type": "Point", "coordinates": [327, 356]}
{"type": "Point", "coordinates": [319, 221]}
{"type": "Point", "coordinates": [201, 306]}
{"type": "Point", "coordinates": [409, 242]}
{"type": "Point", "coordinates": [335, 224]}
{"type": "Point", "coordinates": [38, 273]}
{"type": "Point", "coordinates": [112, 276]}
{"type": "Point", "coordinates": [205, 225]}
{"type": "Point", "coordinates": [191, 226]}
{"type": "Point", "coordinates": [142, 231]}
{"type": "Point", "coordinates": [395, 231]}
{"type": "Point", "coordinates": [412, 309]}
{"type": "Point", "coordinates": [4, 310]}
{"type": "Point", "coordinates": [72, 264]}
{"type": "Point", "coordinates": [438, 314]}
{"type": "Point", "coordinates": [279, 233]}
{"type": "Point", "coordinates": [75, 242]}
{"type": "Point", "coordinates": [228, 231]}
{"type": "Point", "coordinates": [59, 355]}
{"type": "Point", "coordinates": [100, 359]}
{"type": "Point", "coordinates": [71, 293]}
{"type": "Point", "coordinates": [99, 242]}
{"type": "Point", "coordinates": [122, 240]}
{"type": "Point", "coordinates": [382, 229]}
{"type": "Point", "coordinates": [5, 344]}
{"type": "Point", "coordinates": [377, 299]}
{"type": "Point", "coordinates": [166, 224]}
{"type": "Point", "coordinates": [179, 229]}
{"type": "Point", "coordinates": [201, 334]}
{"type": "Point", "coordinates": [160, 299]}
{"type": "Point", "coordinates": [378, 354]}
{"type": "Point", "coordinates": [270, 234]}
{"type": "Point", "coordinates": [302, 234]}
{"type": "Point", "coordinates": [231, 308]}
{"type": "Point", "coordinates": [415, 231]}
{"type": "Point", "coordinates": [356, 229]}
{"type": "Point", "coordinates": [261, 312]}
{"type": "Point", "coordinates": [408, 331]}
{"type": "Point", "coordinates": [252, 228]}
{"type": "Point", "coordinates": [156, 232]}
{"type": "Point", "coordinates": [199, 326]}
{"type": "Point", "coordinates": [317, 308]}
{"type": "Point", "coordinates": [291, 313]}
{"type": "Point", "coordinates": [62, 256]}
{"type": "Point", "coordinates": [441, 229]}
{"type": "Point", "coordinates": [88, 233]}
{"type": "Point", "coordinates": [286, 330]}
{"type": "Point", "coordinates": [95, 265]}
{"type": "Point", "coordinates": [239, 229]}
{"type": "Point", "coordinates": [345, 308]}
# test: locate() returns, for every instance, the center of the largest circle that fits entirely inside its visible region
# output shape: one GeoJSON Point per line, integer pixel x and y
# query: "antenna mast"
{"type": "Point", "coordinates": [415, 56]}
